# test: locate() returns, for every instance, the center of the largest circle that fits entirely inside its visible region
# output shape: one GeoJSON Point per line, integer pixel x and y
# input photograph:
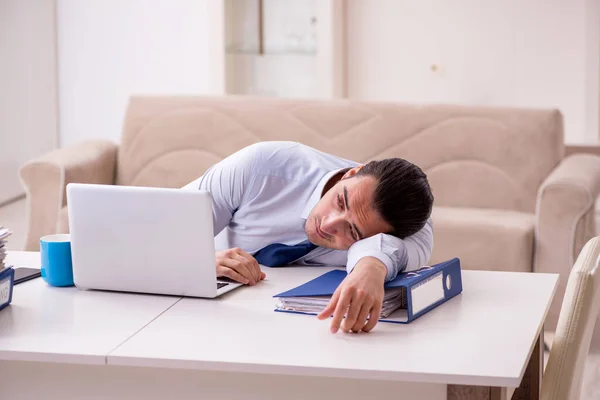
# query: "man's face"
{"type": "Point", "coordinates": [345, 214]}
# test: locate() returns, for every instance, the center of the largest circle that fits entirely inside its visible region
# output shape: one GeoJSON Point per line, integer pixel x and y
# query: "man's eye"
{"type": "Point", "coordinates": [340, 202]}
{"type": "Point", "coordinates": [352, 234]}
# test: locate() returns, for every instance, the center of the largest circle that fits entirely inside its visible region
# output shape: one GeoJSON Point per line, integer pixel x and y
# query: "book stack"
{"type": "Point", "coordinates": [4, 234]}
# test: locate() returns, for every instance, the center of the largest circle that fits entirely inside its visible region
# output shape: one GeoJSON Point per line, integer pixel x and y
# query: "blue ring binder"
{"type": "Point", "coordinates": [7, 281]}
{"type": "Point", "coordinates": [422, 291]}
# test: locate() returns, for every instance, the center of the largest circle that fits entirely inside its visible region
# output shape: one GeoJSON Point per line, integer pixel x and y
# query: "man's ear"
{"type": "Point", "coordinates": [352, 172]}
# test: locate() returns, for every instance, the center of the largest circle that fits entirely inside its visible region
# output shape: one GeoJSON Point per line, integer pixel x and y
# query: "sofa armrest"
{"type": "Point", "coordinates": [565, 219]}
{"type": "Point", "coordinates": [45, 180]}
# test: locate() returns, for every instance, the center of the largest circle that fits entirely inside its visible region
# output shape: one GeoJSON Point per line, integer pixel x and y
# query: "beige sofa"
{"type": "Point", "coordinates": [505, 196]}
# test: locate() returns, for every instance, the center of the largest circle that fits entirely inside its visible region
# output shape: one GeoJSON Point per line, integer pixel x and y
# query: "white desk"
{"type": "Point", "coordinates": [67, 325]}
{"type": "Point", "coordinates": [238, 347]}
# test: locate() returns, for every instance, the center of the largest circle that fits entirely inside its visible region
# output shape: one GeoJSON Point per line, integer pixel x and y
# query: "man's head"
{"type": "Point", "coordinates": [388, 196]}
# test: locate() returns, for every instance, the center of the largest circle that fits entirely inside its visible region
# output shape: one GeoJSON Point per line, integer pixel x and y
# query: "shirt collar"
{"type": "Point", "coordinates": [316, 195]}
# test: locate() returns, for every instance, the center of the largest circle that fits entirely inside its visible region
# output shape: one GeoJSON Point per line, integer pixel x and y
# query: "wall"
{"type": "Point", "coordinates": [592, 70]}
{"type": "Point", "coordinates": [28, 104]}
{"type": "Point", "coordinates": [536, 53]}
{"type": "Point", "coordinates": [111, 49]}
{"type": "Point", "coordinates": [288, 66]}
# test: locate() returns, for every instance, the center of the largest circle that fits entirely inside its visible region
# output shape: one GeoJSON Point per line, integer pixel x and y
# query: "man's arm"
{"type": "Point", "coordinates": [376, 259]}
{"type": "Point", "coordinates": [398, 255]}
{"type": "Point", "coordinates": [227, 181]}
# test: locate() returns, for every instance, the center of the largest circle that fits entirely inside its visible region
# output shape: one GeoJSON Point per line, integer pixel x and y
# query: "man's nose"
{"type": "Point", "coordinates": [331, 224]}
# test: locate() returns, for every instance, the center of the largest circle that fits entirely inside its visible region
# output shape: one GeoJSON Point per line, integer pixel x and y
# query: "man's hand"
{"type": "Point", "coordinates": [238, 265]}
{"type": "Point", "coordinates": [358, 296]}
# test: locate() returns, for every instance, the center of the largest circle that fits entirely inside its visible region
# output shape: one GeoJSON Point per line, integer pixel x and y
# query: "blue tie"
{"type": "Point", "coordinates": [277, 254]}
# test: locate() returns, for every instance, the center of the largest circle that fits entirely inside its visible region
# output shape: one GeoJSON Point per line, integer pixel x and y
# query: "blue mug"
{"type": "Point", "coordinates": [57, 265]}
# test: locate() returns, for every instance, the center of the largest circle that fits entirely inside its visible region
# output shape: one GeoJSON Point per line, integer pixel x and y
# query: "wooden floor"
{"type": "Point", "coordinates": [13, 216]}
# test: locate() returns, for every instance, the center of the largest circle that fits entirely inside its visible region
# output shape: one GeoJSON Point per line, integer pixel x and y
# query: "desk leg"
{"type": "Point", "coordinates": [461, 392]}
{"type": "Point", "coordinates": [465, 392]}
{"type": "Point", "coordinates": [529, 389]}
{"type": "Point", "coordinates": [531, 385]}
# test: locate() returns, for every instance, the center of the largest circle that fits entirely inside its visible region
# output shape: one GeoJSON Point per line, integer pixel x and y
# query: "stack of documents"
{"type": "Point", "coordinates": [4, 234]}
{"type": "Point", "coordinates": [393, 299]}
{"type": "Point", "coordinates": [407, 297]}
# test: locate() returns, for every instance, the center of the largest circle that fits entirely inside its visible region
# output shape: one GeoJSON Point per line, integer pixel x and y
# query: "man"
{"type": "Point", "coordinates": [285, 202]}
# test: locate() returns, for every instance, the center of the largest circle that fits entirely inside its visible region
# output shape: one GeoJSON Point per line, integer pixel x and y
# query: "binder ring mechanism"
{"type": "Point", "coordinates": [447, 281]}
{"type": "Point", "coordinates": [412, 274]}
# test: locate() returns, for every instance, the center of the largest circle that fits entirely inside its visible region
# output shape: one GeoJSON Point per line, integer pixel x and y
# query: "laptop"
{"type": "Point", "coordinates": [144, 240]}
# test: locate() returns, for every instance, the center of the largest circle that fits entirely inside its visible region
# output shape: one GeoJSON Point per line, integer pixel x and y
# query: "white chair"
{"type": "Point", "coordinates": [564, 372]}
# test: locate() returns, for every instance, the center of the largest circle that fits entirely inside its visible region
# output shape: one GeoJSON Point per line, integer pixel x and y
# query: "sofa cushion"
{"type": "Point", "coordinates": [478, 157]}
{"type": "Point", "coordinates": [484, 239]}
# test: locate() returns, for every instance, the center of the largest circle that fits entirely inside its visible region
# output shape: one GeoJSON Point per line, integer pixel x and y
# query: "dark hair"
{"type": "Point", "coordinates": [402, 196]}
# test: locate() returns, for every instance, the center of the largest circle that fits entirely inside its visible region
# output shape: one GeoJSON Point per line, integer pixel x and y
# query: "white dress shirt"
{"type": "Point", "coordinates": [263, 194]}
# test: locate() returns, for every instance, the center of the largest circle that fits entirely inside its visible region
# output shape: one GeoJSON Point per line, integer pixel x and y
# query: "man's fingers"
{"type": "Point", "coordinates": [252, 264]}
{"type": "Point", "coordinates": [373, 317]}
{"type": "Point", "coordinates": [360, 299]}
{"type": "Point", "coordinates": [238, 267]}
{"type": "Point", "coordinates": [340, 310]}
{"type": "Point", "coordinates": [241, 263]}
{"type": "Point", "coordinates": [362, 317]}
{"type": "Point", "coordinates": [252, 269]}
{"type": "Point", "coordinates": [352, 314]}
{"type": "Point", "coordinates": [326, 313]}
{"type": "Point", "coordinates": [229, 273]}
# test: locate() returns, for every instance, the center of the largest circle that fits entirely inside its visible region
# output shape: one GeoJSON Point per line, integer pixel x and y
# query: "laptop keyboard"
{"type": "Point", "coordinates": [221, 284]}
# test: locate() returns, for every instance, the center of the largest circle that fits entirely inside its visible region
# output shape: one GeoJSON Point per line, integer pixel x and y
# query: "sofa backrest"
{"type": "Point", "coordinates": [474, 156]}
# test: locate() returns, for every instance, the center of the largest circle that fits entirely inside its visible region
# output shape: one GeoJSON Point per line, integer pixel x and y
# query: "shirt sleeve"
{"type": "Point", "coordinates": [397, 254]}
{"type": "Point", "coordinates": [227, 181]}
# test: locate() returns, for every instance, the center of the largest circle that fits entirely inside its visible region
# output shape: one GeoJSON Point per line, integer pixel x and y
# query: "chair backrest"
{"type": "Point", "coordinates": [473, 156]}
{"type": "Point", "coordinates": [564, 371]}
